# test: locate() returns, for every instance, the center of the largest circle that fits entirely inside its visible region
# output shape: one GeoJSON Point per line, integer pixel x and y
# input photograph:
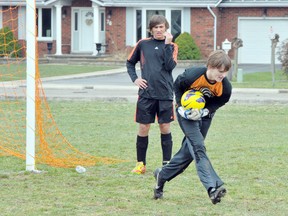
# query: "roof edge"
{"type": "Point", "coordinates": [253, 5]}
{"type": "Point", "coordinates": [157, 4]}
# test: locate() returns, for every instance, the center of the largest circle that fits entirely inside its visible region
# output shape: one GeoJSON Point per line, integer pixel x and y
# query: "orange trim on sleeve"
{"type": "Point", "coordinates": [175, 52]}
{"type": "Point", "coordinates": [130, 55]}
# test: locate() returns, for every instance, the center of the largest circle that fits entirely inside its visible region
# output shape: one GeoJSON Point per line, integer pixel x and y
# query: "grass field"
{"type": "Point", "coordinates": [262, 80]}
{"type": "Point", "coordinates": [18, 71]}
{"type": "Point", "coordinates": [246, 144]}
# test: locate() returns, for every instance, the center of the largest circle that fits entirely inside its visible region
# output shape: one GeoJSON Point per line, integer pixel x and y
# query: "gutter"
{"type": "Point", "coordinates": [253, 4]}
{"type": "Point", "coordinates": [149, 4]}
{"type": "Point", "coordinates": [215, 22]}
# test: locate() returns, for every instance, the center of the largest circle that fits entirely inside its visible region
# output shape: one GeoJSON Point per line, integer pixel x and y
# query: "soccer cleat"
{"type": "Point", "coordinates": [158, 190]}
{"type": "Point", "coordinates": [216, 194]}
{"type": "Point", "coordinates": [165, 163]}
{"type": "Point", "coordinates": [140, 168]}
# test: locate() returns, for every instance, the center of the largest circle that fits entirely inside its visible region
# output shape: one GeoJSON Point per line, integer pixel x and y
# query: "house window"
{"type": "Point", "coordinates": [76, 22]}
{"type": "Point", "coordinates": [102, 21]}
{"type": "Point", "coordinates": [175, 23]}
{"type": "Point", "coordinates": [138, 24]}
{"type": "Point", "coordinates": [44, 22]}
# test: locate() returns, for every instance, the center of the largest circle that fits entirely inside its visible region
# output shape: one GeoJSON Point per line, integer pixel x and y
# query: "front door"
{"type": "Point", "coordinates": [82, 30]}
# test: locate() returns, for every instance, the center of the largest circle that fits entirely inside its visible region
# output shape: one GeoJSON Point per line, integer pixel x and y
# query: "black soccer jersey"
{"type": "Point", "coordinates": [157, 60]}
{"type": "Point", "coordinates": [216, 94]}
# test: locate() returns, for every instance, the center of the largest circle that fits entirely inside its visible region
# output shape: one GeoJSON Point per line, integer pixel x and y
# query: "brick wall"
{"type": "Point", "coordinates": [81, 3]}
{"type": "Point", "coordinates": [202, 27]}
{"type": "Point", "coordinates": [116, 32]}
{"type": "Point", "coordinates": [66, 31]}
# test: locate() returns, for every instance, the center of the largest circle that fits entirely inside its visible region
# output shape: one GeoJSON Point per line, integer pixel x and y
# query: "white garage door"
{"type": "Point", "coordinates": [255, 34]}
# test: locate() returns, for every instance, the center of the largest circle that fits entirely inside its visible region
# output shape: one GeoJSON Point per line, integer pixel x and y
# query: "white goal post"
{"type": "Point", "coordinates": [30, 83]}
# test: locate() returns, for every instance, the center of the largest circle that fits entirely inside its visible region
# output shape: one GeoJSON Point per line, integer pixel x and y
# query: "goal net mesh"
{"type": "Point", "coordinates": [52, 148]}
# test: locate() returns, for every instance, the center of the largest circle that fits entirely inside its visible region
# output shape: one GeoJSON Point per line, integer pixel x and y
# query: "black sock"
{"type": "Point", "coordinates": [166, 144]}
{"type": "Point", "coordinates": [141, 148]}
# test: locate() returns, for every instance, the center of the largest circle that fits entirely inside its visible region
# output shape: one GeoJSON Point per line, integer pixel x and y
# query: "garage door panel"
{"type": "Point", "coordinates": [255, 34]}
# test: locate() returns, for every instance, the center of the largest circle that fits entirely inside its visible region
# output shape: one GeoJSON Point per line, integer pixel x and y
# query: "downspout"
{"type": "Point", "coordinates": [215, 22]}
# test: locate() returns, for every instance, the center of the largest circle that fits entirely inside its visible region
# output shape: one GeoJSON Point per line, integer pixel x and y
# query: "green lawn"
{"type": "Point", "coordinates": [246, 144]}
{"type": "Point", "coordinates": [17, 71]}
{"type": "Point", "coordinates": [262, 80]}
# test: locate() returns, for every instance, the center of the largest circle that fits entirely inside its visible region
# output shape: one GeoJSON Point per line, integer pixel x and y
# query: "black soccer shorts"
{"type": "Point", "coordinates": [149, 109]}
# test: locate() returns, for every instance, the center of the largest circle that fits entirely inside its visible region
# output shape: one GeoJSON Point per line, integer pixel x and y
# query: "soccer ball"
{"type": "Point", "coordinates": [192, 99]}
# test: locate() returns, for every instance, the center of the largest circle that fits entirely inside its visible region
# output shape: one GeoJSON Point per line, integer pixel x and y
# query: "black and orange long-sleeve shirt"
{"type": "Point", "coordinates": [216, 94]}
{"type": "Point", "coordinates": [157, 60]}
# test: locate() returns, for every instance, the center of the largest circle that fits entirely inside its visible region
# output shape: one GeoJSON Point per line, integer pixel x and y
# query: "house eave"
{"type": "Point", "coordinates": [100, 3]}
{"type": "Point", "coordinates": [253, 5]}
{"type": "Point", "coordinates": [183, 4]}
{"type": "Point", "coordinates": [151, 5]}
{"type": "Point", "coordinates": [49, 2]}
{"type": "Point", "coordinates": [19, 3]}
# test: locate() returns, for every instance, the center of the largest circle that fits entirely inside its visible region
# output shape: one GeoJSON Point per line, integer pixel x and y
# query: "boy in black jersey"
{"type": "Point", "coordinates": [212, 82]}
{"type": "Point", "coordinates": [158, 57]}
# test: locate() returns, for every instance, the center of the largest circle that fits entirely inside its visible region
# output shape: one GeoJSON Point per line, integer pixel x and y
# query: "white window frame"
{"type": "Point", "coordinates": [40, 38]}
{"type": "Point", "coordinates": [1, 18]}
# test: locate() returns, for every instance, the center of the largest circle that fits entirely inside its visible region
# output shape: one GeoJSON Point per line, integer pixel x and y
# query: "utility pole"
{"type": "Point", "coordinates": [236, 44]}
{"type": "Point", "coordinates": [274, 41]}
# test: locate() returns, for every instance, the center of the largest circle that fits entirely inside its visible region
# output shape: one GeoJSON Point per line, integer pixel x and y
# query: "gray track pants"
{"type": "Point", "coordinates": [192, 148]}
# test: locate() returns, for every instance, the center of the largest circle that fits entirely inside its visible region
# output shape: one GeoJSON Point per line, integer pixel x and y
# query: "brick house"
{"type": "Point", "coordinates": [75, 26]}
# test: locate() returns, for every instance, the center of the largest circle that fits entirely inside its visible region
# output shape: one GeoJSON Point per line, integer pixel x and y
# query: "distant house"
{"type": "Point", "coordinates": [75, 26]}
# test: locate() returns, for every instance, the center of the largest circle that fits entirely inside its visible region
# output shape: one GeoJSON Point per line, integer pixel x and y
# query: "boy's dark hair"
{"type": "Point", "coordinates": [219, 58]}
{"type": "Point", "coordinates": [156, 20]}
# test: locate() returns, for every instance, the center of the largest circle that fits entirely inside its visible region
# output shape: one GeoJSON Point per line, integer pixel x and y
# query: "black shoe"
{"type": "Point", "coordinates": [158, 190]}
{"type": "Point", "coordinates": [216, 194]}
{"type": "Point", "coordinates": [165, 163]}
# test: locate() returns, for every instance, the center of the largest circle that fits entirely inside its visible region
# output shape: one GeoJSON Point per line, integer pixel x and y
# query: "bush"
{"type": "Point", "coordinates": [188, 50]}
{"type": "Point", "coordinates": [9, 47]}
{"type": "Point", "coordinates": [283, 56]}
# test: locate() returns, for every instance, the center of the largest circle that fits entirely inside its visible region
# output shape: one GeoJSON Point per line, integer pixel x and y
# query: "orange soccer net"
{"type": "Point", "coordinates": [52, 148]}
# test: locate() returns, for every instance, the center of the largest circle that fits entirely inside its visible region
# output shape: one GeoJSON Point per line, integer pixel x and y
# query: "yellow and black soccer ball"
{"type": "Point", "coordinates": [193, 99]}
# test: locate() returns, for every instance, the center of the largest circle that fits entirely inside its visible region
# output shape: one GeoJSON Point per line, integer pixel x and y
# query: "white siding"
{"type": "Point", "coordinates": [186, 20]}
{"type": "Point", "coordinates": [130, 27]}
{"type": "Point", "coordinates": [255, 34]}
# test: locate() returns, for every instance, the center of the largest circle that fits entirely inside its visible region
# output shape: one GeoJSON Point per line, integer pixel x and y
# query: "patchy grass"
{"type": "Point", "coordinates": [247, 146]}
{"type": "Point", "coordinates": [17, 70]}
{"type": "Point", "coordinates": [263, 80]}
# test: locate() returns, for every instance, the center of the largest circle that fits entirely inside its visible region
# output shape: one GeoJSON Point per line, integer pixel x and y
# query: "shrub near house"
{"type": "Point", "coordinates": [9, 46]}
{"type": "Point", "coordinates": [188, 49]}
{"type": "Point", "coordinates": [283, 56]}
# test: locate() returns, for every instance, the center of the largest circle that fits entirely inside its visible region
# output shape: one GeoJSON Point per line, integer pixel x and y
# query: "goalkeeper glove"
{"type": "Point", "coordinates": [192, 114]}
